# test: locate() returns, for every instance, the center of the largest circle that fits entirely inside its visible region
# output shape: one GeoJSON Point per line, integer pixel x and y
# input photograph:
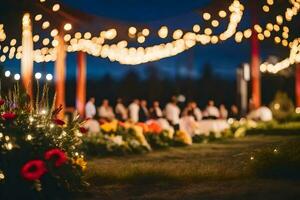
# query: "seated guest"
{"type": "Point", "coordinates": [143, 111]}
{"type": "Point", "coordinates": [172, 113]}
{"type": "Point", "coordinates": [121, 111]}
{"type": "Point", "coordinates": [134, 109]}
{"type": "Point", "coordinates": [155, 111]}
{"type": "Point", "coordinates": [211, 111]}
{"type": "Point", "coordinates": [90, 108]}
{"type": "Point", "coordinates": [261, 114]}
{"type": "Point", "coordinates": [188, 123]}
{"type": "Point", "coordinates": [105, 111]}
{"type": "Point", "coordinates": [234, 112]}
{"type": "Point", "coordinates": [223, 112]}
{"type": "Point", "coordinates": [196, 111]}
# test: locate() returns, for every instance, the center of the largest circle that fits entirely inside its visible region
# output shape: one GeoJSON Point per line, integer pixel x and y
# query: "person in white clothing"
{"type": "Point", "coordinates": [223, 112]}
{"type": "Point", "coordinates": [121, 111]}
{"type": "Point", "coordinates": [261, 114]}
{"type": "Point", "coordinates": [196, 111]}
{"type": "Point", "coordinates": [105, 111]}
{"type": "Point", "coordinates": [134, 109]}
{"type": "Point", "coordinates": [172, 112]}
{"type": "Point", "coordinates": [90, 108]}
{"type": "Point", "coordinates": [212, 112]}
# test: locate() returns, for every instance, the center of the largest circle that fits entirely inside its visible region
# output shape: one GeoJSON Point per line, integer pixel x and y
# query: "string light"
{"type": "Point", "coordinates": [36, 38]}
{"type": "Point", "coordinates": [222, 14]}
{"type": "Point", "coordinates": [46, 24]}
{"type": "Point", "coordinates": [56, 7]}
{"type": "Point", "coordinates": [293, 58]}
{"type": "Point", "coordinates": [206, 16]}
{"type": "Point", "coordinates": [38, 17]}
{"type": "Point", "coordinates": [68, 27]}
{"type": "Point", "coordinates": [54, 32]}
{"type": "Point", "coordinates": [49, 77]}
{"type": "Point", "coordinates": [196, 28]}
{"type": "Point", "coordinates": [17, 77]}
{"type": "Point", "coordinates": [141, 39]}
{"type": "Point", "coordinates": [7, 73]}
{"type": "Point", "coordinates": [146, 32]}
{"type": "Point", "coordinates": [177, 34]}
{"type": "Point", "coordinates": [132, 30]}
{"type": "Point", "coordinates": [215, 23]}
{"type": "Point", "coordinates": [163, 32]}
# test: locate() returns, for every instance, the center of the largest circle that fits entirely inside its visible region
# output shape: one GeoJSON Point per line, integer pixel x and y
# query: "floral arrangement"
{"type": "Point", "coordinates": [156, 135]}
{"type": "Point", "coordinates": [39, 156]}
{"type": "Point", "coordinates": [117, 138]}
{"type": "Point", "coordinates": [183, 138]}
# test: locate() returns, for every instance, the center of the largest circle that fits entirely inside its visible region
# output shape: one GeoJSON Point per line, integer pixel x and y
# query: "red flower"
{"type": "Point", "coordinates": [8, 116]}
{"type": "Point", "coordinates": [58, 155]}
{"type": "Point", "coordinates": [122, 124]}
{"type": "Point", "coordinates": [154, 127]}
{"type": "Point", "coordinates": [143, 126]}
{"type": "Point", "coordinates": [2, 101]}
{"type": "Point", "coordinates": [59, 122]}
{"type": "Point", "coordinates": [33, 170]}
{"type": "Point", "coordinates": [83, 130]}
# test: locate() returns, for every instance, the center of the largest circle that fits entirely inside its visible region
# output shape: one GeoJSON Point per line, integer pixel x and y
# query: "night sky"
{"type": "Point", "coordinates": [224, 57]}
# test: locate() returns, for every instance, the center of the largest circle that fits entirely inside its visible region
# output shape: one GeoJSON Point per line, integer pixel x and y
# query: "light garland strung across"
{"type": "Point", "coordinates": [117, 52]}
{"type": "Point", "coordinates": [133, 56]}
{"type": "Point", "coordinates": [293, 58]}
{"type": "Point", "coordinates": [129, 55]}
{"type": "Point", "coordinates": [276, 27]}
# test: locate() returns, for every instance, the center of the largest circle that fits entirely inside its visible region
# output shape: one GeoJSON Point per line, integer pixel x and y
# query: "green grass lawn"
{"type": "Point", "coordinates": [201, 171]}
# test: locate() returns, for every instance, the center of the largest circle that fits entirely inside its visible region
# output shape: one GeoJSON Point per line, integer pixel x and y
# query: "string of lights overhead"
{"type": "Point", "coordinates": [121, 51]}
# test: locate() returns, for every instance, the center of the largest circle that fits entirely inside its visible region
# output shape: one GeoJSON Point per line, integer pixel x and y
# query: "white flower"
{"type": "Point", "coordinates": [118, 140]}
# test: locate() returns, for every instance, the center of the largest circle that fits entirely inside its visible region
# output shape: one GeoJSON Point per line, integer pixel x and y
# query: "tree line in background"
{"type": "Point", "coordinates": [157, 86]}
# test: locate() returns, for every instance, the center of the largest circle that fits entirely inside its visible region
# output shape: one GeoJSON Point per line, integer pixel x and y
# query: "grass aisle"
{"type": "Point", "coordinates": [201, 171]}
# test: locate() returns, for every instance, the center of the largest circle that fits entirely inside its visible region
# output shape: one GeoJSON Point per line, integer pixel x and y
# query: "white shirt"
{"type": "Point", "coordinates": [134, 112]}
{"type": "Point", "coordinates": [262, 113]}
{"type": "Point", "coordinates": [172, 112]}
{"type": "Point", "coordinates": [223, 113]}
{"type": "Point", "coordinates": [265, 114]}
{"type": "Point", "coordinates": [212, 111]}
{"type": "Point", "coordinates": [90, 110]}
{"type": "Point", "coordinates": [106, 112]}
{"type": "Point", "coordinates": [158, 112]}
{"type": "Point", "coordinates": [198, 114]}
{"type": "Point", "coordinates": [120, 109]}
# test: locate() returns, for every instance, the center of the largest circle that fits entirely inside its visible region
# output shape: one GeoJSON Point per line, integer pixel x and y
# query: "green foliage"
{"type": "Point", "coordinates": [159, 141]}
{"type": "Point", "coordinates": [275, 128]}
{"type": "Point", "coordinates": [27, 132]}
{"type": "Point", "coordinates": [281, 106]}
{"type": "Point", "coordinates": [121, 142]}
{"type": "Point", "coordinates": [277, 162]}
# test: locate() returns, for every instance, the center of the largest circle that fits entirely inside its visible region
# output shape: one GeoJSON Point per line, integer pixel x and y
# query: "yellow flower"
{"type": "Point", "coordinates": [184, 137]}
{"type": "Point", "coordinates": [80, 162]}
{"type": "Point", "coordinates": [110, 126]}
{"type": "Point", "coordinates": [140, 136]}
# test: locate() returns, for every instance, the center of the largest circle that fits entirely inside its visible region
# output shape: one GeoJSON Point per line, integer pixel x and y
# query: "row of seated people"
{"type": "Point", "coordinates": [138, 111]}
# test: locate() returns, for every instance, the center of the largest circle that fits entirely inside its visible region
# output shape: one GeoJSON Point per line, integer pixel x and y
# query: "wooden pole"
{"type": "Point", "coordinates": [81, 82]}
{"type": "Point", "coordinates": [255, 64]}
{"type": "Point", "coordinates": [27, 56]}
{"type": "Point", "coordinates": [60, 73]}
{"type": "Point", "coordinates": [297, 84]}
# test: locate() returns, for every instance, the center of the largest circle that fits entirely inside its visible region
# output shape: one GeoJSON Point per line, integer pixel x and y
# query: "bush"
{"type": "Point", "coordinates": [275, 128]}
{"type": "Point", "coordinates": [282, 106]}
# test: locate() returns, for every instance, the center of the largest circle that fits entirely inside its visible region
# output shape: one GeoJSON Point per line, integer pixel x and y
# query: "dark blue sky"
{"type": "Point", "coordinates": [224, 57]}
